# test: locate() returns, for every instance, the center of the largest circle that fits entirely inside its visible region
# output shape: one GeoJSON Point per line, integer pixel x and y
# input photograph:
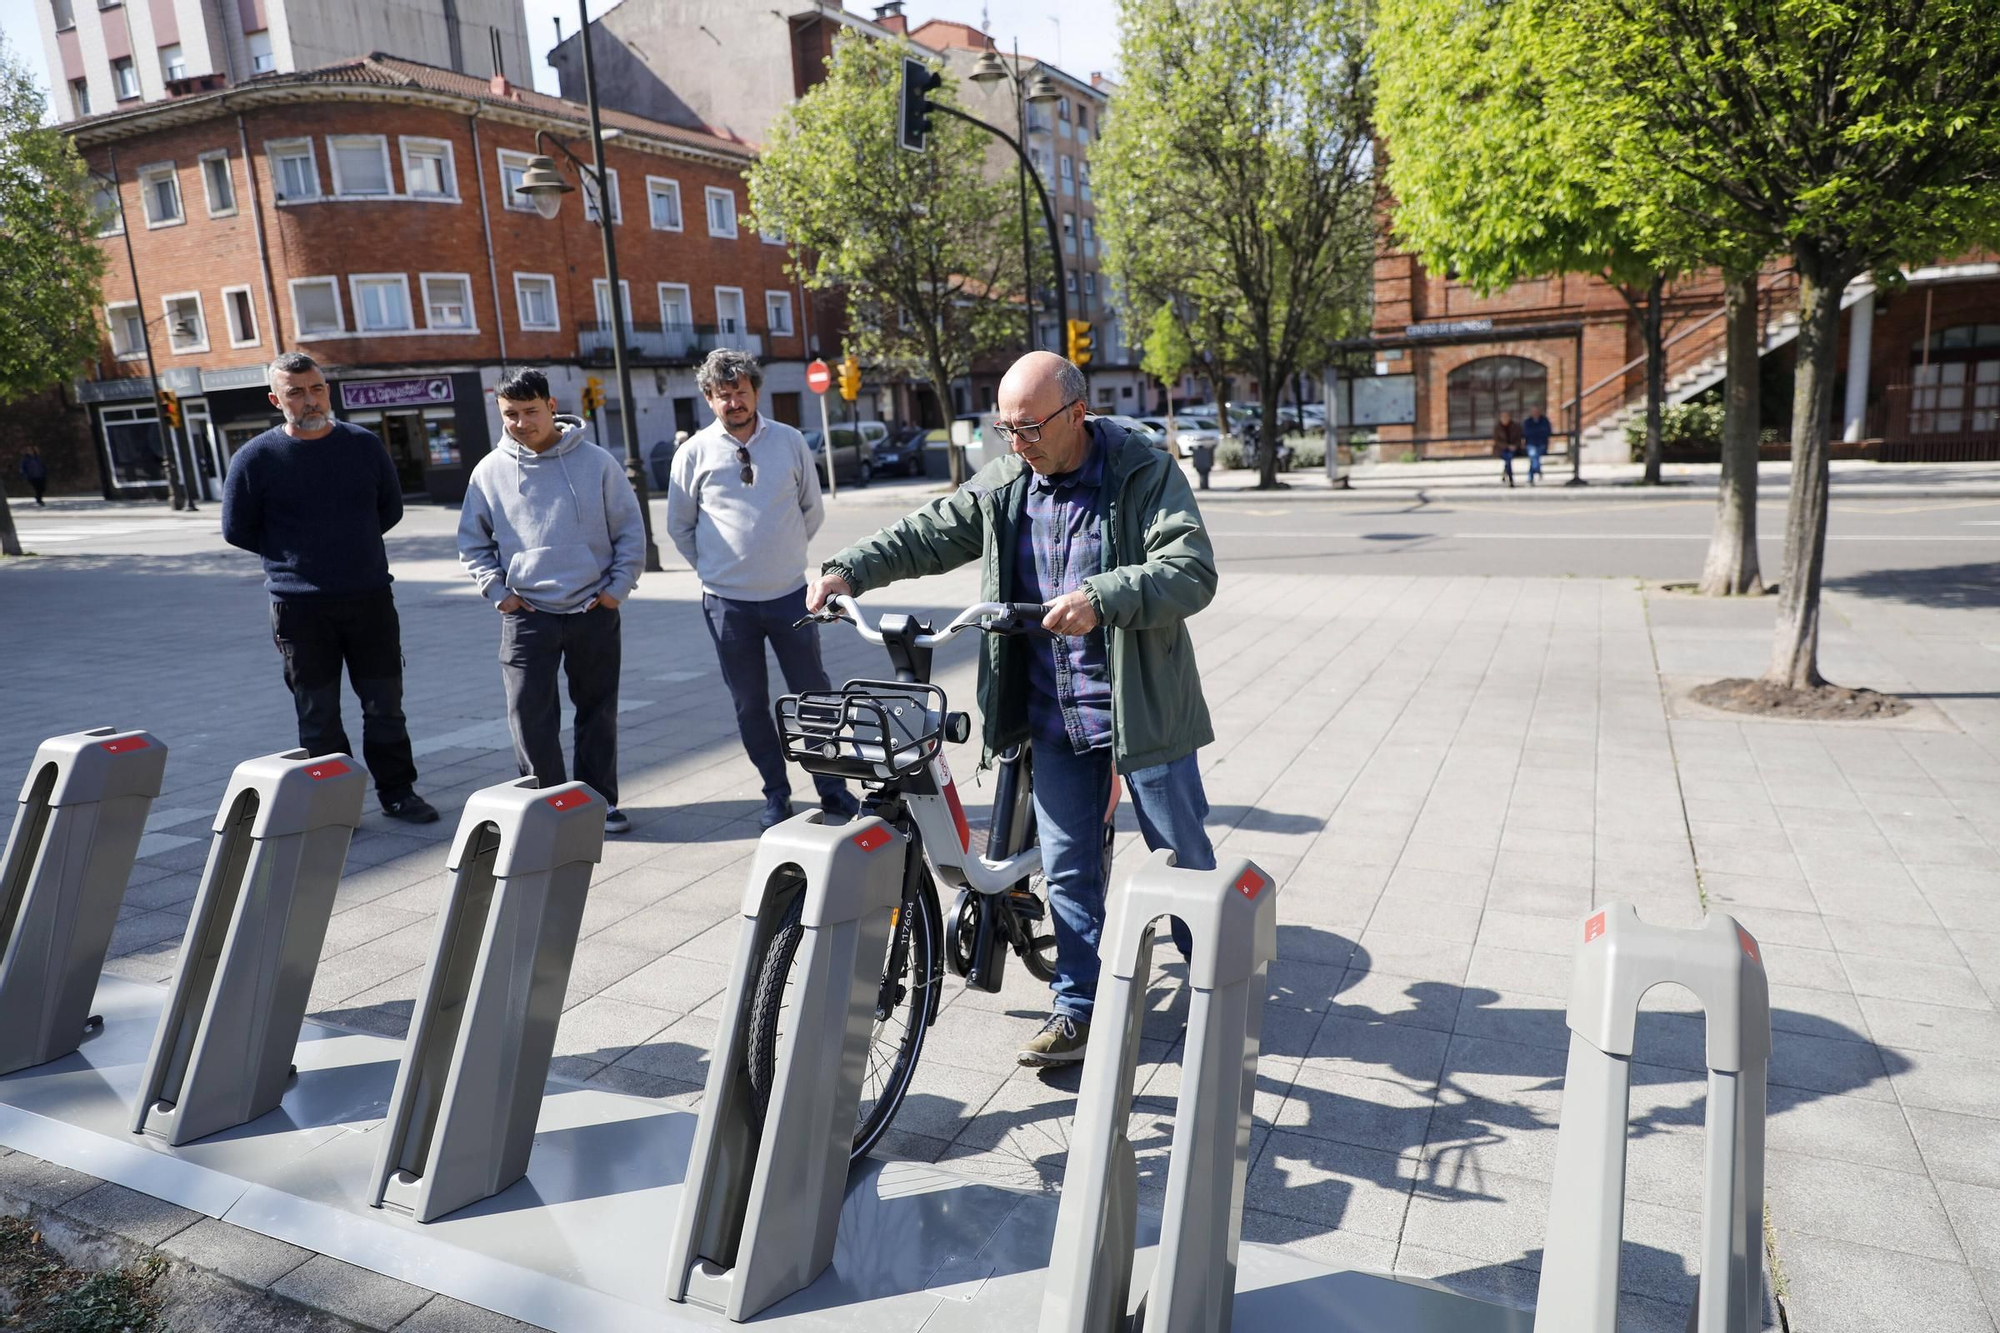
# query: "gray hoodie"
{"type": "Point", "coordinates": [555, 528]}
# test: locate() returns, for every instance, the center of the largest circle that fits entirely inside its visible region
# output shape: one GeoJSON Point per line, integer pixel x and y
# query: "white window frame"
{"type": "Point", "coordinates": [709, 194]}
{"type": "Point", "coordinates": [166, 322]}
{"type": "Point", "coordinates": [774, 300]}
{"type": "Point", "coordinates": [167, 74]}
{"type": "Point", "coordinates": [274, 149]}
{"type": "Point", "coordinates": [250, 339]}
{"type": "Point", "coordinates": [687, 303]}
{"type": "Point", "coordinates": [147, 175]}
{"type": "Point", "coordinates": [617, 197]}
{"type": "Point", "coordinates": [228, 173]}
{"type": "Point", "coordinates": [117, 85]}
{"type": "Point", "coordinates": [502, 158]}
{"type": "Point", "coordinates": [771, 237]}
{"type": "Point", "coordinates": [354, 281]}
{"type": "Point", "coordinates": [471, 324]}
{"type": "Point", "coordinates": [555, 304]}
{"type": "Point", "coordinates": [262, 61]}
{"type": "Point", "coordinates": [448, 170]}
{"type": "Point", "coordinates": [335, 142]}
{"type": "Point", "coordinates": [742, 306]}
{"type": "Point", "coordinates": [111, 323]}
{"type": "Point", "coordinates": [112, 222]}
{"type": "Point", "coordinates": [600, 301]}
{"type": "Point", "coordinates": [339, 311]}
{"type": "Point", "coordinates": [656, 185]}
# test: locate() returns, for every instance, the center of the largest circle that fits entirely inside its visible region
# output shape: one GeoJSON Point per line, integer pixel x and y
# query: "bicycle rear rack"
{"type": "Point", "coordinates": [867, 730]}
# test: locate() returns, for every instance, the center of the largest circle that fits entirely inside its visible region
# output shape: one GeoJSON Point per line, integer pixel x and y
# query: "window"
{"type": "Point", "coordinates": [1082, 116]}
{"type": "Point", "coordinates": [1083, 179]}
{"type": "Point", "coordinates": [293, 170]}
{"type": "Point", "coordinates": [104, 204]}
{"type": "Point", "coordinates": [1064, 170]}
{"type": "Point", "coordinates": [729, 309]}
{"type": "Point", "coordinates": [186, 330]}
{"type": "Point", "coordinates": [1089, 233]}
{"type": "Point", "coordinates": [381, 302]}
{"type": "Point", "coordinates": [360, 165]}
{"type": "Point", "coordinates": [676, 306]}
{"type": "Point", "coordinates": [535, 301]}
{"type": "Point", "coordinates": [513, 166]}
{"type": "Point", "coordinates": [65, 14]}
{"type": "Point", "coordinates": [217, 185]}
{"type": "Point", "coordinates": [79, 94]}
{"type": "Point", "coordinates": [132, 448]}
{"type": "Point", "coordinates": [128, 333]}
{"type": "Point", "coordinates": [125, 78]}
{"type": "Point", "coordinates": [448, 302]}
{"type": "Point", "coordinates": [1069, 233]}
{"type": "Point", "coordinates": [173, 65]}
{"type": "Point", "coordinates": [778, 313]}
{"type": "Point", "coordinates": [1069, 281]}
{"type": "Point", "coordinates": [428, 172]}
{"type": "Point", "coordinates": [721, 211]}
{"type": "Point", "coordinates": [1479, 391]}
{"type": "Point", "coordinates": [663, 203]}
{"type": "Point", "coordinates": [600, 291]}
{"type": "Point", "coordinates": [1062, 117]}
{"type": "Point", "coordinates": [242, 315]}
{"type": "Point", "coordinates": [316, 307]}
{"type": "Point", "coordinates": [1090, 284]}
{"type": "Point", "coordinates": [590, 196]}
{"type": "Point", "coordinates": [160, 187]}
{"type": "Point", "coordinates": [770, 235]}
{"type": "Point", "coordinates": [262, 61]}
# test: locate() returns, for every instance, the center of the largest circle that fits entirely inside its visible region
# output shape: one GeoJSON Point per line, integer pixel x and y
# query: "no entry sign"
{"type": "Point", "coordinates": [818, 378]}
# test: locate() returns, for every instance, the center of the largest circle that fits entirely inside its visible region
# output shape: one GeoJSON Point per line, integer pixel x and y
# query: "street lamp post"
{"type": "Point", "coordinates": [545, 185]}
{"type": "Point", "coordinates": [1041, 88]}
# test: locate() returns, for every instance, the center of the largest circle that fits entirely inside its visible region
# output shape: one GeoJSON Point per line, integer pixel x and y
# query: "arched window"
{"type": "Point", "coordinates": [1479, 391]}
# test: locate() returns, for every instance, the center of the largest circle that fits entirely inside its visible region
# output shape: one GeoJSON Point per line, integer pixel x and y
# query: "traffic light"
{"type": "Point", "coordinates": [850, 379]}
{"type": "Point", "coordinates": [170, 409]}
{"type": "Point", "coordinates": [913, 113]}
{"type": "Point", "coordinates": [1078, 342]}
{"type": "Point", "coordinates": [593, 394]}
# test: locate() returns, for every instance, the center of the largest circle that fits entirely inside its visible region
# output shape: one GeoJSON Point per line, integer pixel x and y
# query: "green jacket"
{"type": "Point", "coordinates": [1159, 570]}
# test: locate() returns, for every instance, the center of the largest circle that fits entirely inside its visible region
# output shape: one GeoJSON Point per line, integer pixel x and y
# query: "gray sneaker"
{"type": "Point", "coordinates": [616, 822]}
{"type": "Point", "coordinates": [1060, 1042]}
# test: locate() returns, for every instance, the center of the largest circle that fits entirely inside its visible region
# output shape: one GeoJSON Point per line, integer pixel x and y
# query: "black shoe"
{"type": "Point", "coordinates": [777, 810]}
{"type": "Point", "coordinates": [411, 809]}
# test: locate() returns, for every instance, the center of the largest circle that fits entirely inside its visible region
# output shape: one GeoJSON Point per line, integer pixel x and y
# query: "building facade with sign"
{"type": "Point", "coordinates": [365, 213]}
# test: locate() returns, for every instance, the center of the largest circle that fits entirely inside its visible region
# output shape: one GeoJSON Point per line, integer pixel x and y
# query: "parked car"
{"type": "Point", "coordinates": [901, 453]}
{"type": "Point", "coordinates": [1156, 438]}
{"type": "Point", "coordinates": [1196, 429]}
{"type": "Point", "coordinates": [853, 458]}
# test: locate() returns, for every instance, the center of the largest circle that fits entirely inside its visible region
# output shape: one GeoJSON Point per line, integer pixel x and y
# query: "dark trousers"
{"type": "Point", "coordinates": [588, 647]}
{"type": "Point", "coordinates": [740, 631]}
{"type": "Point", "coordinates": [1203, 474]}
{"type": "Point", "coordinates": [316, 638]}
{"type": "Point", "coordinates": [41, 487]}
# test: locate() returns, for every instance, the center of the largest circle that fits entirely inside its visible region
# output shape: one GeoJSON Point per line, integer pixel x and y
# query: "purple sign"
{"type": "Point", "coordinates": [396, 393]}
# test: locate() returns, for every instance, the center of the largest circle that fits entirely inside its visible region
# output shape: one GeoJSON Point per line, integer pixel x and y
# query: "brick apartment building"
{"type": "Point", "coordinates": [364, 212]}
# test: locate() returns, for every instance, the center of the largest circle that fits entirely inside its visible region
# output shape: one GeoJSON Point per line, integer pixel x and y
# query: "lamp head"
{"type": "Point", "coordinates": [989, 68]}
{"type": "Point", "coordinates": [543, 184]}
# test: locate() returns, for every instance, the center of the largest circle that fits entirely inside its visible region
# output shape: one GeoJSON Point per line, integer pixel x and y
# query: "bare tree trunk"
{"type": "Point", "coordinates": [1656, 374]}
{"type": "Point", "coordinates": [1268, 389]}
{"type": "Point", "coordinates": [954, 455]}
{"type": "Point", "coordinates": [1731, 568]}
{"type": "Point", "coordinates": [1795, 653]}
{"type": "Point", "coordinates": [10, 540]}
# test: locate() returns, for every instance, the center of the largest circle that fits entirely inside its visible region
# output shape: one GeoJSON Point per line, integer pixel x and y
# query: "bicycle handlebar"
{"type": "Point", "coordinates": [989, 617]}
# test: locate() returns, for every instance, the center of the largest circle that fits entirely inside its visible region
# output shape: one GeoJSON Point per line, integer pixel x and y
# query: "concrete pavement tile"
{"type": "Point", "coordinates": [1538, 898]}
{"type": "Point", "coordinates": [1975, 1216]}
{"type": "Point", "coordinates": [1336, 1185]}
{"type": "Point", "coordinates": [672, 982]}
{"type": "Point", "coordinates": [1958, 1147]}
{"type": "Point", "coordinates": [1516, 971]}
{"type": "Point", "coordinates": [1847, 1129]}
{"type": "Point", "coordinates": [1296, 984]}
{"type": "Point", "coordinates": [1412, 884]}
{"type": "Point", "coordinates": [1357, 849]}
{"type": "Point", "coordinates": [1346, 1108]}
{"type": "Point", "coordinates": [1942, 983]}
{"type": "Point", "coordinates": [352, 1293]}
{"type": "Point", "coordinates": [1530, 934]}
{"type": "Point", "coordinates": [1457, 922]}
{"type": "Point", "coordinates": [1530, 1020]}
{"type": "Point", "coordinates": [1829, 870]}
{"type": "Point", "coordinates": [633, 1082]}
{"type": "Point", "coordinates": [1568, 870]}
{"type": "Point", "coordinates": [598, 966]}
{"type": "Point", "coordinates": [1899, 906]}
{"type": "Point", "coordinates": [1860, 1203]}
{"type": "Point", "coordinates": [1957, 879]}
{"type": "Point", "coordinates": [42, 1182]}
{"type": "Point", "coordinates": [1790, 965]}
{"type": "Point", "coordinates": [1887, 939]}
{"type": "Point", "coordinates": [1763, 865]}
{"type": "Point", "coordinates": [1421, 957]}
{"type": "Point", "coordinates": [1949, 1083]}
{"type": "Point", "coordinates": [1910, 1025]}
{"type": "Point", "coordinates": [679, 1053]}
{"type": "Point", "coordinates": [1841, 1287]}
{"type": "Point", "coordinates": [1805, 1009]}
{"type": "Point", "coordinates": [943, 1098]}
{"type": "Point", "coordinates": [1834, 1063]}
{"type": "Point", "coordinates": [900, 1145]}
{"type": "Point", "coordinates": [1732, 893]}
{"type": "Point", "coordinates": [1752, 814]}
{"type": "Point", "coordinates": [1394, 999]}
{"type": "Point", "coordinates": [1974, 912]}
{"type": "Point", "coordinates": [1341, 1250]}
{"type": "Point", "coordinates": [1453, 858]}
{"type": "Point", "coordinates": [146, 928]}
{"type": "Point", "coordinates": [604, 1030]}
{"type": "Point", "coordinates": [1513, 1285]}
{"type": "Point", "coordinates": [1413, 1055]}
{"type": "Point", "coordinates": [442, 1314]}
{"type": "Point", "coordinates": [253, 1259]}
{"type": "Point", "coordinates": [128, 1213]}
{"type": "Point", "coordinates": [1470, 1137]}
{"type": "Point", "coordinates": [1494, 1217]}
{"type": "Point", "coordinates": [1499, 1071]}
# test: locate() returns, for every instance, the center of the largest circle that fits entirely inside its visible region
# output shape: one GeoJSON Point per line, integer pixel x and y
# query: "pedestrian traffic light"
{"type": "Point", "coordinates": [913, 113]}
{"type": "Point", "coordinates": [593, 394]}
{"type": "Point", "coordinates": [1078, 342]}
{"type": "Point", "coordinates": [170, 409]}
{"type": "Point", "coordinates": [850, 379]}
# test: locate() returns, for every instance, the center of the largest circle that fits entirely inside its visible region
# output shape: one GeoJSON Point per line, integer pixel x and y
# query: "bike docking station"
{"type": "Point", "coordinates": [223, 1051]}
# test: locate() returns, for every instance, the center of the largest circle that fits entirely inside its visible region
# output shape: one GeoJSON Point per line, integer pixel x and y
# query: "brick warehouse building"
{"type": "Point", "coordinates": [363, 213]}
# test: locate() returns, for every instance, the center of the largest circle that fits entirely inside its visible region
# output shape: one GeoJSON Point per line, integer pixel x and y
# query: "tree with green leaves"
{"type": "Point", "coordinates": [923, 246]}
{"type": "Point", "coordinates": [50, 266]}
{"type": "Point", "coordinates": [1167, 354]}
{"type": "Point", "coordinates": [1236, 172]}
{"type": "Point", "coordinates": [1857, 136]}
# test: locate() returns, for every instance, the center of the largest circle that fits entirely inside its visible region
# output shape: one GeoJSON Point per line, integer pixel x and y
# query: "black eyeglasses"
{"type": "Point", "coordinates": [1031, 433]}
{"type": "Point", "coordinates": [749, 474]}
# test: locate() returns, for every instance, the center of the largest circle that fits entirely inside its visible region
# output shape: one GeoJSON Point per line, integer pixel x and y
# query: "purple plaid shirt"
{"type": "Point", "coordinates": [1061, 544]}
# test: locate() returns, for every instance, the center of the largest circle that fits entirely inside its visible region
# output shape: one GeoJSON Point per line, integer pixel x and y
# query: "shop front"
{"type": "Point", "coordinates": [434, 427]}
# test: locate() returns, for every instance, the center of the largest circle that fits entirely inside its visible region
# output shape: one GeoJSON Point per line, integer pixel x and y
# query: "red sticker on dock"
{"type": "Point", "coordinates": [333, 768]}
{"type": "Point", "coordinates": [1593, 928]}
{"type": "Point", "coordinates": [871, 839]}
{"type": "Point", "coordinates": [1251, 884]}
{"type": "Point", "coordinates": [1749, 945]}
{"type": "Point", "coordinates": [123, 744]}
{"type": "Point", "coordinates": [569, 800]}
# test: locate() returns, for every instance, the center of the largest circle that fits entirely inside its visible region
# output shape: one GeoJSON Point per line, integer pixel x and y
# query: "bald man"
{"type": "Point", "coordinates": [1102, 528]}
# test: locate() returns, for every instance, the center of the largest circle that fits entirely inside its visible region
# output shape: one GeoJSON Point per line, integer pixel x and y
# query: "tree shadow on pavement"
{"type": "Point", "coordinates": [1953, 587]}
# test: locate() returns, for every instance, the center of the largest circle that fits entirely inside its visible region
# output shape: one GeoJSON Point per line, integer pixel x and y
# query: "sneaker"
{"type": "Point", "coordinates": [1060, 1042]}
{"type": "Point", "coordinates": [616, 822]}
{"type": "Point", "coordinates": [841, 805]}
{"type": "Point", "coordinates": [411, 809]}
{"type": "Point", "coordinates": [777, 810]}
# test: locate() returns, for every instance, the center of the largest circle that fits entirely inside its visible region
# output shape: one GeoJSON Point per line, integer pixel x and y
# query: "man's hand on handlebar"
{"type": "Point", "coordinates": [1071, 613]}
{"type": "Point", "coordinates": [825, 588]}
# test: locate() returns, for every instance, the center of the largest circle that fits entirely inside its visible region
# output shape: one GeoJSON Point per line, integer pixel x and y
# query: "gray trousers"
{"type": "Point", "coordinates": [587, 645]}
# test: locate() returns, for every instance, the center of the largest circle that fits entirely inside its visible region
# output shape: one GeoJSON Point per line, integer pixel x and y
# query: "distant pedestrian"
{"type": "Point", "coordinates": [36, 473]}
{"type": "Point", "coordinates": [552, 534]}
{"type": "Point", "coordinates": [1204, 461]}
{"type": "Point", "coordinates": [313, 498]}
{"type": "Point", "coordinates": [1535, 433]}
{"type": "Point", "coordinates": [744, 502]}
{"type": "Point", "coordinates": [1506, 439]}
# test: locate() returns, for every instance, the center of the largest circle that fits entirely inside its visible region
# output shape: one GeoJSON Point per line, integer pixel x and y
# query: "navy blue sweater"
{"type": "Point", "coordinates": [315, 510]}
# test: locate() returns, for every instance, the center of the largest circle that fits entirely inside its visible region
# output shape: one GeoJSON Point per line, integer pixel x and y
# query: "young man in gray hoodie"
{"type": "Point", "coordinates": [551, 533]}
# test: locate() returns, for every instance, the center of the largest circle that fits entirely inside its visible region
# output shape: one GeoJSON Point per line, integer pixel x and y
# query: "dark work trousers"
{"type": "Point", "coordinates": [588, 646]}
{"type": "Point", "coordinates": [740, 631]}
{"type": "Point", "coordinates": [316, 637]}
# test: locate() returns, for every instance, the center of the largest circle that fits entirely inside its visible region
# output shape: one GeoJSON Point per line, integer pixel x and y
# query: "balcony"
{"type": "Point", "coordinates": [671, 343]}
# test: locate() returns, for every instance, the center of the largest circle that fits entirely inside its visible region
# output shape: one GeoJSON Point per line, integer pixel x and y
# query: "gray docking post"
{"type": "Point", "coordinates": [461, 1121]}
{"type": "Point", "coordinates": [222, 1053]}
{"type": "Point", "coordinates": [760, 1209]}
{"type": "Point", "coordinates": [1232, 914]}
{"type": "Point", "coordinates": [68, 860]}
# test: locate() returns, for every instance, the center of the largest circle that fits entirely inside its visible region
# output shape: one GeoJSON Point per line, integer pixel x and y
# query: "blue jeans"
{"type": "Point", "coordinates": [740, 631]}
{"type": "Point", "coordinates": [1535, 452]}
{"type": "Point", "coordinates": [1071, 791]}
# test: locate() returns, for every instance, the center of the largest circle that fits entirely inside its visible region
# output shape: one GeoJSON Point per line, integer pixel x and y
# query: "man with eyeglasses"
{"type": "Point", "coordinates": [743, 504]}
{"type": "Point", "coordinates": [1103, 529]}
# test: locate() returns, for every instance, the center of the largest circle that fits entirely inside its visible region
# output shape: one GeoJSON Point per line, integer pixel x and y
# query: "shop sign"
{"type": "Point", "coordinates": [420, 392]}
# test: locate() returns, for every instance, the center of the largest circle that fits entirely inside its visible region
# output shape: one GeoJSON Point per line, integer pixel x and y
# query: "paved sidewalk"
{"type": "Point", "coordinates": [1444, 774]}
